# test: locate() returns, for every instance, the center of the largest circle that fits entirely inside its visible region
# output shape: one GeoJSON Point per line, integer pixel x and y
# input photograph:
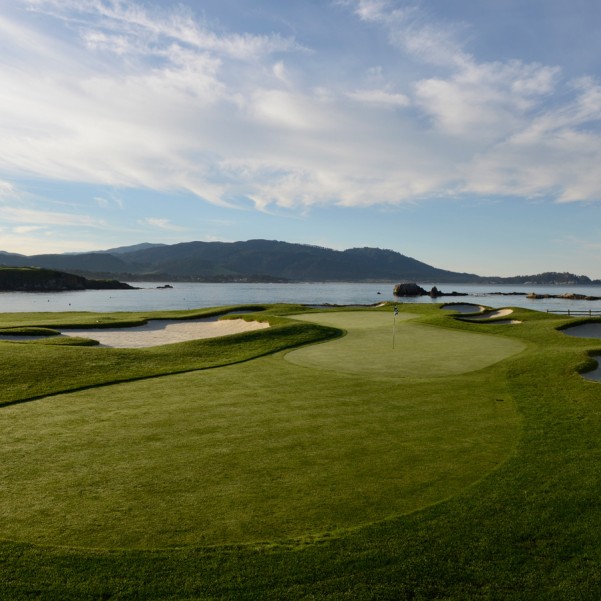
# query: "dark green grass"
{"type": "Point", "coordinates": [528, 530]}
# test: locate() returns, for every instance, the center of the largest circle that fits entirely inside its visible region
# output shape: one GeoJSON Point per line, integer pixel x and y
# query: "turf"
{"type": "Point", "coordinates": [512, 512]}
{"type": "Point", "coordinates": [378, 344]}
{"type": "Point", "coordinates": [261, 451]}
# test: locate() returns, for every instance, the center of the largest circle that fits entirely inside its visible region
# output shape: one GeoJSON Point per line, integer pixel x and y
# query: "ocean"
{"type": "Point", "coordinates": [149, 297]}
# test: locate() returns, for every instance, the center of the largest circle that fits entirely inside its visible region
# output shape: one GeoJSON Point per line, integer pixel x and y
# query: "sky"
{"type": "Point", "coordinates": [463, 133]}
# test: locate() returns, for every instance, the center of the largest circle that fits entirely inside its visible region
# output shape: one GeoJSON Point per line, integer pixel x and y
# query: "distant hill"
{"type": "Point", "coordinates": [34, 279]}
{"type": "Point", "coordinates": [259, 261]}
{"type": "Point", "coordinates": [281, 260]}
{"type": "Point", "coordinates": [127, 249]}
{"type": "Point", "coordinates": [548, 278]}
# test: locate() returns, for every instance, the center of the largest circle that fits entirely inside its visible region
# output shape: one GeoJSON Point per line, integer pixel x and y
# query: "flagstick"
{"type": "Point", "coordinates": [394, 326]}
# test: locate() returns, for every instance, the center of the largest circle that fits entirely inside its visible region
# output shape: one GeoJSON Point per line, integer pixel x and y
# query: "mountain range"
{"type": "Point", "coordinates": [262, 261]}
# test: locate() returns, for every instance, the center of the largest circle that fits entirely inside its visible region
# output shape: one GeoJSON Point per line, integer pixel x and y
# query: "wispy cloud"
{"type": "Point", "coordinates": [7, 190]}
{"type": "Point", "coordinates": [162, 224]}
{"type": "Point", "coordinates": [380, 97]}
{"type": "Point", "coordinates": [27, 229]}
{"type": "Point", "coordinates": [28, 217]}
{"type": "Point", "coordinates": [122, 27]}
{"type": "Point", "coordinates": [44, 241]}
{"type": "Point", "coordinates": [158, 99]}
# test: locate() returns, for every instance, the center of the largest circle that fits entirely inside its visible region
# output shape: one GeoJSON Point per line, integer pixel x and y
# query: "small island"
{"type": "Point", "coordinates": [413, 289]}
{"type": "Point", "coordinates": [35, 279]}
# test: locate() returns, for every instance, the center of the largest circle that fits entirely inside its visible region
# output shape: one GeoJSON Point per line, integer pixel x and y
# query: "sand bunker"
{"type": "Point", "coordinates": [492, 315]}
{"type": "Point", "coordinates": [585, 330]}
{"type": "Point", "coordinates": [158, 331]}
{"type": "Point", "coordinates": [162, 331]}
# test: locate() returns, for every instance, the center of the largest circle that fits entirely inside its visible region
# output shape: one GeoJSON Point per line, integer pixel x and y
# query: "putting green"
{"type": "Point", "coordinates": [260, 451]}
{"type": "Point", "coordinates": [420, 351]}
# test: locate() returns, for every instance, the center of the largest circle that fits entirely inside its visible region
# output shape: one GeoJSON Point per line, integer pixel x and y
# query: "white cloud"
{"type": "Point", "coordinates": [290, 110]}
{"type": "Point", "coordinates": [162, 224]}
{"type": "Point", "coordinates": [485, 100]}
{"type": "Point", "coordinates": [7, 190]}
{"type": "Point", "coordinates": [556, 153]}
{"type": "Point", "coordinates": [44, 241]}
{"type": "Point", "coordinates": [157, 100]}
{"type": "Point", "coordinates": [29, 217]}
{"type": "Point", "coordinates": [134, 24]}
{"type": "Point", "coordinates": [28, 229]}
{"type": "Point", "coordinates": [279, 70]}
{"type": "Point", "coordinates": [380, 97]}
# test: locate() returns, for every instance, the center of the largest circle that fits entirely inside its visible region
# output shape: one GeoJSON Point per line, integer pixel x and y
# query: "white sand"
{"type": "Point", "coordinates": [163, 331]}
{"type": "Point", "coordinates": [585, 330]}
{"type": "Point", "coordinates": [492, 314]}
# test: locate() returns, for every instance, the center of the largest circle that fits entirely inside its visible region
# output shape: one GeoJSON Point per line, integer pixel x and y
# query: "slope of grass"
{"type": "Point", "coordinates": [261, 451]}
{"type": "Point", "coordinates": [527, 530]}
{"type": "Point", "coordinates": [31, 370]}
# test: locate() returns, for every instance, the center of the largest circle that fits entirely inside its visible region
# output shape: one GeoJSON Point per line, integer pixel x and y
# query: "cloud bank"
{"type": "Point", "coordinates": [131, 95]}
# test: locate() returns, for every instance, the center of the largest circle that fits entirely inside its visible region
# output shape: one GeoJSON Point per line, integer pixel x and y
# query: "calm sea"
{"type": "Point", "coordinates": [190, 296]}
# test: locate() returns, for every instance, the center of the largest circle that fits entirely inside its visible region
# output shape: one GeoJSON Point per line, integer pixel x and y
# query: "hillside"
{"type": "Point", "coordinates": [32, 279]}
{"type": "Point", "coordinates": [253, 260]}
{"type": "Point", "coordinates": [264, 261]}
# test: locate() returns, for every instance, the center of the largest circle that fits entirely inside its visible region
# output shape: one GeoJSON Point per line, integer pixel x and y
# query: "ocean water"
{"type": "Point", "coordinates": [148, 297]}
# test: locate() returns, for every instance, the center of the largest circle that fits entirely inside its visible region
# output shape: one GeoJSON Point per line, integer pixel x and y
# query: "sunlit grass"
{"type": "Point", "coordinates": [261, 478]}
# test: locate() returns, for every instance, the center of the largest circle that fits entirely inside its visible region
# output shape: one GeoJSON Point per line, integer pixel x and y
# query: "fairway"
{"type": "Point", "coordinates": [420, 351]}
{"type": "Point", "coordinates": [283, 447]}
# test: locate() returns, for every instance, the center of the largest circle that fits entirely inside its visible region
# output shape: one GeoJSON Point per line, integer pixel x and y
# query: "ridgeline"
{"type": "Point", "coordinates": [264, 261]}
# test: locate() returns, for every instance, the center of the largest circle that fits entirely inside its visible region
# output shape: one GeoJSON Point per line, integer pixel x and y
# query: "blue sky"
{"type": "Point", "coordinates": [465, 134]}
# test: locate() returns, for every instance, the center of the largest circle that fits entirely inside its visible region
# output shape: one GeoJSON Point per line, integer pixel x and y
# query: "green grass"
{"type": "Point", "coordinates": [418, 351]}
{"type": "Point", "coordinates": [423, 474]}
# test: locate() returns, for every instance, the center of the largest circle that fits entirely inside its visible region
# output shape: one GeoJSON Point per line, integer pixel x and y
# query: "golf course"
{"type": "Point", "coordinates": [300, 453]}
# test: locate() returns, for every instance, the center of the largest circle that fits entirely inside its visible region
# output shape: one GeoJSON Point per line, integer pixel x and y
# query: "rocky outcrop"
{"type": "Point", "coordinates": [32, 279]}
{"type": "Point", "coordinates": [408, 289]}
{"type": "Point", "coordinates": [413, 289]}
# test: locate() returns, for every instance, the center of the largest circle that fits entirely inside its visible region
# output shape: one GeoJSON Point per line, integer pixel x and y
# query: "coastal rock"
{"type": "Point", "coordinates": [412, 289]}
{"type": "Point", "coordinates": [408, 289]}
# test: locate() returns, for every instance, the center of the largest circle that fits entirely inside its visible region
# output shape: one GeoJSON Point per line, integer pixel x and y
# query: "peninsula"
{"type": "Point", "coordinates": [34, 279]}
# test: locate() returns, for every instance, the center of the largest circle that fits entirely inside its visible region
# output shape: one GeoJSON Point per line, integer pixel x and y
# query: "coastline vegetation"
{"type": "Point", "coordinates": [462, 464]}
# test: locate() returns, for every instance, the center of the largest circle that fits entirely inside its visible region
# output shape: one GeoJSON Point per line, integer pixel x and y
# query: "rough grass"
{"type": "Point", "coordinates": [526, 530]}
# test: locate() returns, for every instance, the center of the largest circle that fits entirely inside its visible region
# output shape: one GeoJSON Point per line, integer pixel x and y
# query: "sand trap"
{"type": "Point", "coordinates": [463, 308]}
{"type": "Point", "coordinates": [584, 330]}
{"type": "Point", "coordinates": [157, 332]}
{"type": "Point", "coordinates": [163, 331]}
{"type": "Point", "coordinates": [492, 315]}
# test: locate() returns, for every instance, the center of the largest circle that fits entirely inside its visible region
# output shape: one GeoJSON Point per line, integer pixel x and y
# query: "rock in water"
{"type": "Point", "coordinates": [408, 289]}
